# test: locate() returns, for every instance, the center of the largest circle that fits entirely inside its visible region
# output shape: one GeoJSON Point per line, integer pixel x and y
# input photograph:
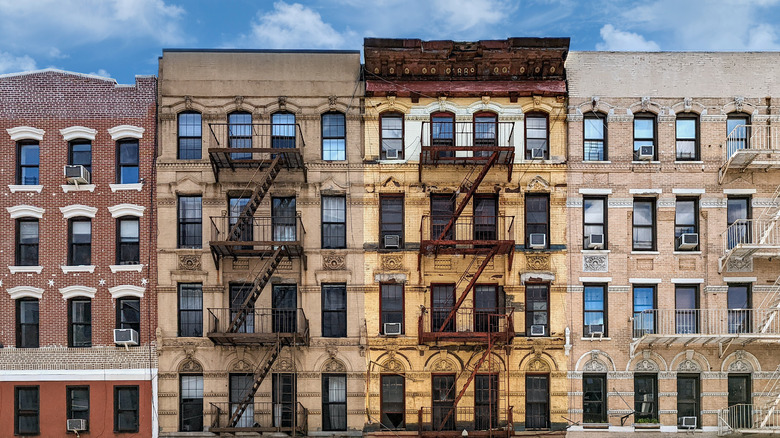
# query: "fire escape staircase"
{"type": "Point", "coordinates": [259, 283]}
{"type": "Point", "coordinates": [260, 374]}
{"type": "Point", "coordinates": [258, 194]}
{"type": "Point", "coordinates": [768, 235]}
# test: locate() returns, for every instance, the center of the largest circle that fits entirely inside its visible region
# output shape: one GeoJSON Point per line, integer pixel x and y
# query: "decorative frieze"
{"type": "Point", "coordinates": [595, 263]}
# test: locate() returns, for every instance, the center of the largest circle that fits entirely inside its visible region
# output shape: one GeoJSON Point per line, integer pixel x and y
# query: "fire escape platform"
{"type": "Point", "coordinates": [465, 155]}
{"type": "Point", "coordinates": [254, 248]}
{"type": "Point", "coordinates": [255, 339]}
{"type": "Point", "coordinates": [260, 326]}
{"type": "Point", "coordinates": [223, 158]}
{"type": "Point", "coordinates": [466, 247]}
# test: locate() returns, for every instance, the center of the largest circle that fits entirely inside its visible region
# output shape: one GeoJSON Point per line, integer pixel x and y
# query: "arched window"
{"type": "Point", "coordinates": [443, 133]}
{"type": "Point", "coordinates": [189, 135]}
{"type": "Point", "coordinates": [485, 132]}
{"type": "Point", "coordinates": [595, 137]}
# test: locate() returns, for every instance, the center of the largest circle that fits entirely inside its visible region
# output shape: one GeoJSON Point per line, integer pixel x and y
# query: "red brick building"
{"type": "Point", "coordinates": [77, 255]}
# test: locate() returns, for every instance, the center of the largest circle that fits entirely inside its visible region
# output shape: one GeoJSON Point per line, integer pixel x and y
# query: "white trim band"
{"type": "Point", "coordinates": [126, 290]}
{"type": "Point", "coordinates": [126, 131]}
{"type": "Point", "coordinates": [739, 191]}
{"type": "Point", "coordinates": [23, 292]}
{"type": "Point", "coordinates": [26, 269]}
{"type": "Point", "coordinates": [25, 188]}
{"type": "Point", "coordinates": [131, 374]}
{"type": "Point", "coordinates": [687, 280]}
{"type": "Point", "coordinates": [645, 191]}
{"type": "Point", "coordinates": [78, 210]}
{"type": "Point", "coordinates": [595, 279]}
{"type": "Point", "coordinates": [595, 191]}
{"type": "Point", "coordinates": [78, 132]}
{"type": "Point", "coordinates": [77, 291]}
{"type": "Point", "coordinates": [18, 211]}
{"type": "Point", "coordinates": [688, 191]}
{"type": "Point", "coordinates": [740, 279]}
{"type": "Point", "coordinates": [645, 280]}
{"type": "Point", "coordinates": [78, 268]}
{"type": "Point", "coordinates": [25, 133]}
{"type": "Point", "coordinates": [120, 210]}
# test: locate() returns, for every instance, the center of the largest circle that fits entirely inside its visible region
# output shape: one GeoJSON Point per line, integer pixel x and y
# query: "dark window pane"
{"type": "Point", "coordinates": [334, 222]}
{"type": "Point", "coordinates": [334, 310]}
{"type": "Point", "coordinates": [190, 310]}
{"type": "Point", "coordinates": [27, 323]}
{"type": "Point", "coordinates": [645, 397]}
{"type": "Point", "coordinates": [334, 402]}
{"type": "Point", "coordinates": [191, 410]}
{"type": "Point", "coordinates": [190, 222]}
{"type": "Point", "coordinates": [189, 136]}
{"type": "Point", "coordinates": [27, 410]}
{"type": "Point", "coordinates": [333, 136]}
{"type": "Point", "coordinates": [80, 314]}
{"type": "Point", "coordinates": [129, 314]}
{"type": "Point", "coordinates": [126, 408]}
{"type": "Point", "coordinates": [392, 415]}
{"type": "Point", "coordinates": [392, 135]}
{"type": "Point", "coordinates": [283, 130]}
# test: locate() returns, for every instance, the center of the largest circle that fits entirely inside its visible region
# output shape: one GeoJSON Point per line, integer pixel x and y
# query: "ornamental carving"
{"type": "Point", "coordinates": [538, 365]}
{"type": "Point", "coordinates": [595, 263]}
{"type": "Point", "coordinates": [739, 103]}
{"type": "Point", "coordinates": [188, 102]}
{"type": "Point", "coordinates": [284, 365]}
{"type": "Point", "coordinates": [537, 262]}
{"type": "Point", "coordinates": [334, 366]}
{"type": "Point", "coordinates": [688, 366]}
{"type": "Point", "coordinates": [241, 366]}
{"type": "Point", "coordinates": [392, 263]}
{"type": "Point", "coordinates": [736, 265]}
{"type": "Point", "coordinates": [646, 365]}
{"type": "Point", "coordinates": [538, 184]}
{"type": "Point", "coordinates": [595, 366]}
{"type": "Point", "coordinates": [189, 262]}
{"type": "Point", "coordinates": [332, 102]}
{"type": "Point", "coordinates": [393, 366]}
{"type": "Point", "coordinates": [190, 366]}
{"type": "Point", "coordinates": [442, 365]}
{"type": "Point", "coordinates": [740, 366]}
{"type": "Point", "coordinates": [334, 262]}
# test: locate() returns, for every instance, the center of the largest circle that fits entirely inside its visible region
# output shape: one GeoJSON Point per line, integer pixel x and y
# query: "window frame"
{"type": "Point", "coordinates": [18, 412]}
{"type": "Point", "coordinates": [120, 167]}
{"type": "Point", "coordinates": [180, 310]}
{"type": "Point", "coordinates": [19, 245]}
{"type": "Point", "coordinates": [529, 311]}
{"type": "Point", "coordinates": [73, 324]}
{"type": "Point", "coordinates": [740, 318]}
{"type": "Point", "coordinates": [327, 404]}
{"type": "Point", "coordinates": [653, 139]}
{"type": "Point", "coordinates": [69, 403]}
{"type": "Point", "coordinates": [604, 221]}
{"type": "Point", "coordinates": [239, 137]}
{"type": "Point", "coordinates": [382, 311]}
{"type": "Point", "coordinates": [279, 131]}
{"type": "Point", "coordinates": [382, 409]}
{"type": "Point", "coordinates": [743, 142]}
{"type": "Point", "coordinates": [72, 246]}
{"type": "Point", "coordinates": [537, 115]}
{"type": "Point", "coordinates": [190, 400]}
{"type": "Point", "coordinates": [604, 308]}
{"type": "Point", "coordinates": [382, 231]}
{"type": "Point", "coordinates": [696, 400]}
{"type": "Point", "coordinates": [342, 287]}
{"type": "Point", "coordinates": [120, 323]}
{"type": "Point", "coordinates": [653, 226]}
{"type": "Point", "coordinates": [482, 141]}
{"type": "Point", "coordinates": [180, 137]}
{"type": "Point", "coordinates": [684, 317]}
{"type": "Point", "coordinates": [745, 233]}
{"type": "Point", "coordinates": [651, 315]}
{"type": "Point", "coordinates": [343, 138]}
{"type": "Point", "coordinates": [654, 414]}
{"type": "Point", "coordinates": [182, 239]}
{"type": "Point", "coordinates": [602, 377]}
{"type": "Point", "coordinates": [20, 325]}
{"type": "Point", "coordinates": [20, 166]}
{"type": "Point", "coordinates": [77, 142]}
{"type": "Point", "coordinates": [695, 225]}
{"type": "Point", "coordinates": [594, 115]}
{"type": "Point", "coordinates": [546, 197]}
{"type": "Point", "coordinates": [696, 138]}
{"type": "Point", "coordinates": [120, 245]}
{"type": "Point", "coordinates": [327, 239]}
{"type": "Point", "coordinates": [118, 412]}
{"type": "Point", "coordinates": [391, 115]}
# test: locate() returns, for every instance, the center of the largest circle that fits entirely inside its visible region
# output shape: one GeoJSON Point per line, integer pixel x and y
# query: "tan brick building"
{"type": "Point", "coordinates": [672, 198]}
{"type": "Point", "coordinates": [261, 258]}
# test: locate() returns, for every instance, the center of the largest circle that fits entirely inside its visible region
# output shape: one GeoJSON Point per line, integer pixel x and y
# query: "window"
{"type": "Point", "coordinates": [128, 314]}
{"type": "Point", "coordinates": [485, 132]}
{"type": "Point", "coordinates": [644, 135]}
{"type": "Point", "coordinates": [594, 398]}
{"type": "Point", "coordinates": [443, 133]}
{"type": "Point", "coordinates": [740, 393]}
{"type": "Point", "coordinates": [687, 131]}
{"type": "Point", "coordinates": [443, 398]}
{"type": "Point", "coordinates": [392, 401]}
{"type": "Point", "coordinates": [739, 299]}
{"type": "Point", "coordinates": [80, 322]}
{"type": "Point", "coordinates": [536, 305]}
{"type": "Point", "coordinates": [190, 136]}
{"type": "Point", "coordinates": [284, 394]}
{"type": "Point", "coordinates": [391, 305]}
{"type": "Point", "coordinates": [77, 399]}
{"type": "Point", "coordinates": [595, 313]}
{"type": "Point", "coordinates": [594, 222]}
{"type": "Point", "coordinates": [537, 403]}
{"type": "Point", "coordinates": [738, 212]}
{"type": "Point", "coordinates": [190, 310]}
{"type": "Point", "coordinates": [392, 135]}
{"type": "Point", "coordinates": [644, 224]}
{"type": "Point", "coordinates": [688, 398]}
{"type": "Point", "coordinates": [486, 402]}
{"type": "Point", "coordinates": [645, 398]}
{"type": "Point", "coordinates": [537, 219]}
{"type": "Point", "coordinates": [28, 160]}
{"type": "Point", "coordinates": [191, 403]}
{"type": "Point", "coordinates": [240, 389]}
{"type": "Point", "coordinates": [125, 409]}
{"type": "Point", "coordinates": [80, 153]}
{"type": "Point", "coordinates": [190, 222]}
{"type": "Point", "coordinates": [442, 210]}
{"type": "Point", "coordinates": [240, 134]}
{"type": "Point", "coordinates": [536, 137]}
{"type": "Point", "coordinates": [129, 246]}
{"type": "Point", "coordinates": [127, 158]}
{"type": "Point", "coordinates": [595, 127]}
{"type": "Point", "coordinates": [644, 308]}
{"type": "Point", "coordinates": [283, 130]}
{"type": "Point", "coordinates": [485, 217]}
{"type": "Point", "coordinates": [235, 215]}
{"type": "Point", "coordinates": [686, 221]}
{"type": "Point", "coordinates": [27, 242]}
{"type": "Point", "coordinates": [27, 406]}
{"type": "Point", "coordinates": [334, 402]}
{"type": "Point", "coordinates": [238, 296]}
{"type": "Point", "coordinates": [80, 245]}
{"type": "Point", "coordinates": [687, 305]}
{"type": "Point", "coordinates": [283, 219]}
{"type": "Point", "coordinates": [391, 221]}
{"type": "Point", "coordinates": [284, 303]}
{"type": "Point", "coordinates": [334, 310]}
{"type": "Point", "coordinates": [334, 137]}
{"type": "Point", "coordinates": [334, 222]}
{"type": "Point", "coordinates": [486, 308]}
{"type": "Point", "coordinates": [738, 133]}
{"type": "Point", "coordinates": [27, 323]}
{"type": "Point", "coordinates": [442, 302]}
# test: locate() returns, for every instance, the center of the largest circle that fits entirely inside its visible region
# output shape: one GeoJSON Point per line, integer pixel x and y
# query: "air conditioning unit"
{"type": "Point", "coordinates": [596, 241]}
{"type": "Point", "coordinates": [126, 337]}
{"type": "Point", "coordinates": [537, 153]}
{"type": "Point", "coordinates": [646, 152]}
{"type": "Point", "coordinates": [392, 328]}
{"type": "Point", "coordinates": [76, 424]}
{"type": "Point", "coordinates": [596, 329]}
{"type": "Point", "coordinates": [391, 154]}
{"type": "Point", "coordinates": [537, 240]}
{"type": "Point", "coordinates": [538, 330]}
{"type": "Point", "coordinates": [392, 241]}
{"type": "Point", "coordinates": [689, 240]}
{"type": "Point", "coordinates": [76, 174]}
{"type": "Point", "coordinates": [688, 422]}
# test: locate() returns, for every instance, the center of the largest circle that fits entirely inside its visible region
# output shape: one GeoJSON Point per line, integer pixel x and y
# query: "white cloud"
{"type": "Point", "coordinates": [618, 40]}
{"type": "Point", "coordinates": [462, 15]}
{"type": "Point", "coordinates": [101, 72]}
{"type": "Point", "coordinates": [12, 64]}
{"type": "Point", "coordinates": [55, 53]}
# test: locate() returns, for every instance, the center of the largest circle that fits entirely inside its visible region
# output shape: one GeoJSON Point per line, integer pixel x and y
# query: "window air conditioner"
{"type": "Point", "coordinates": [596, 329]}
{"type": "Point", "coordinates": [689, 240]}
{"type": "Point", "coordinates": [392, 328]}
{"type": "Point", "coordinates": [537, 330]}
{"type": "Point", "coordinates": [688, 422]}
{"type": "Point", "coordinates": [392, 241]}
{"type": "Point", "coordinates": [537, 240]}
{"type": "Point", "coordinates": [646, 152]}
{"type": "Point", "coordinates": [125, 337]}
{"type": "Point", "coordinates": [391, 154]}
{"type": "Point", "coordinates": [76, 174]}
{"type": "Point", "coordinates": [596, 241]}
{"type": "Point", "coordinates": [537, 154]}
{"type": "Point", "coordinates": [76, 424]}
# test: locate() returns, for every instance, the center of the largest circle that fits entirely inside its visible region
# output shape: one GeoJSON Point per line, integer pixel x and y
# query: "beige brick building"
{"type": "Point", "coordinates": [672, 204]}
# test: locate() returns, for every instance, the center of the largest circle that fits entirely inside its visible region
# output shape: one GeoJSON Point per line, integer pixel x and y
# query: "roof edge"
{"type": "Point", "coordinates": [310, 51]}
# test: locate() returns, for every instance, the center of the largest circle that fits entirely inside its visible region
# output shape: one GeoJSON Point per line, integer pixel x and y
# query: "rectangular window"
{"type": "Point", "coordinates": [283, 219]}
{"type": "Point", "coordinates": [334, 310]}
{"type": "Point", "coordinates": [486, 308]}
{"type": "Point", "coordinates": [485, 132]}
{"type": "Point", "coordinates": [537, 403]}
{"type": "Point", "coordinates": [80, 153]}
{"type": "Point", "coordinates": [190, 310]}
{"type": "Point", "coordinates": [77, 399]}
{"type": "Point", "coordinates": [391, 305]}
{"type": "Point", "coordinates": [644, 224]}
{"type": "Point", "coordinates": [442, 301]}
{"type": "Point", "coordinates": [442, 209]}
{"type": "Point", "coordinates": [485, 217]}
{"type": "Point", "coordinates": [334, 402]}
{"type": "Point", "coordinates": [687, 139]}
{"type": "Point", "coordinates": [595, 313]}
{"type": "Point", "coordinates": [127, 162]}
{"type": "Point", "coordinates": [594, 223]}
{"type": "Point", "coordinates": [738, 133]}
{"type": "Point", "coordinates": [128, 242]}
{"type": "Point", "coordinates": [537, 220]}
{"type": "Point", "coordinates": [645, 398]}
{"type": "Point", "coordinates": [738, 211]}
{"type": "Point", "coordinates": [284, 395]}
{"type": "Point", "coordinates": [191, 403]}
{"type": "Point", "coordinates": [128, 314]}
{"type": "Point", "coordinates": [283, 130]}
{"type": "Point", "coordinates": [391, 221]}
{"type": "Point", "coordinates": [443, 133]}
{"type": "Point", "coordinates": [334, 137]}
{"type": "Point", "coordinates": [536, 309]}
{"type": "Point", "coordinates": [739, 305]}
{"type": "Point", "coordinates": [284, 301]}
{"type": "Point", "coordinates": [687, 305]}
{"type": "Point", "coordinates": [686, 221]}
{"type": "Point", "coordinates": [80, 322]}
{"type": "Point", "coordinates": [594, 398]}
{"type": "Point", "coordinates": [644, 305]}
{"type": "Point", "coordinates": [644, 138]}
{"type": "Point", "coordinates": [125, 409]}
{"type": "Point", "coordinates": [190, 218]}
{"type": "Point", "coordinates": [595, 137]}
{"type": "Point", "coordinates": [240, 134]}
{"type": "Point", "coordinates": [27, 242]}
{"type": "Point", "coordinates": [238, 296]}
{"type": "Point", "coordinates": [688, 398]}
{"type": "Point", "coordinates": [536, 147]}
{"type": "Point", "coordinates": [392, 132]}
{"type": "Point", "coordinates": [27, 405]}
{"type": "Point", "coordinates": [27, 323]}
{"type": "Point", "coordinates": [189, 136]}
{"type": "Point", "coordinates": [80, 242]}
{"type": "Point", "coordinates": [236, 208]}
{"type": "Point", "coordinates": [486, 402]}
{"type": "Point", "coordinates": [443, 398]}
{"type": "Point", "coordinates": [240, 389]}
{"type": "Point", "coordinates": [392, 402]}
{"type": "Point", "coordinates": [334, 222]}
{"type": "Point", "coordinates": [28, 156]}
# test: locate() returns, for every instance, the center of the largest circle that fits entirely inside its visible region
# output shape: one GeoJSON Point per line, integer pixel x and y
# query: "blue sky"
{"type": "Point", "coordinates": [122, 38]}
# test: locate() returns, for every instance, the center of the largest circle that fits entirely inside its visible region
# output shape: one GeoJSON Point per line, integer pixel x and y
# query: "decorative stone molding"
{"type": "Point", "coordinates": [77, 291]}
{"type": "Point", "coordinates": [740, 366]}
{"type": "Point", "coordinates": [18, 211]}
{"type": "Point", "coordinates": [688, 366]}
{"type": "Point", "coordinates": [595, 366]}
{"type": "Point", "coordinates": [78, 210]}
{"type": "Point", "coordinates": [25, 133]}
{"type": "Point", "coordinates": [736, 265]}
{"type": "Point", "coordinates": [81, 132]}
{"type": "Point", "coordinates": [392, 263]}
{"type": "Point", "coordinates": [25, 269]}
{"type": "Point", "coordinates": [334, 262]}
{"type": "Point", "coordinates": [334, 366]}
{"type": "Point", "coordinates": [121, 187]}
{"type": "Point", "coordinates": [595, 263]}
{"type": "Point", "coordinates": [646, 365]}
{"type": "Point", "coordinates": [78, 268]}
{"type": "Point", "coordinates": [537, 262]}
{"type": "Point", "coordinates": [126, 131]}
{"type": "Point", "coordinates": [125, 268]}
{"type": "Point", "coordinates": [126, 290]}
{"type": "Point", "coordinates": [190, 365]}
{"type": "Point", "coordinates": [14, 188]}
{"type": "Point", "coordinates": [25, 292]}
{"type": "Point", "coordinates": [67, 188]}
{"type": "Point", "coordinates": [120, 210]}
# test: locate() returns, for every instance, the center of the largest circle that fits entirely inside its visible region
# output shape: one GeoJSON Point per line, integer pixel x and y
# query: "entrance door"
{"type": "Point", "coordinates": [443, 298]}
{"type": "Point", "coordinates": [537, 404]}
{"type": "Point", "coordinates": [284, 302]}
{"type": "Point", "coordinates": [283, 399]}
{"type": "Point", "coordinates": [443, 415]}
{"type": "Point", "coordinates": [740, 401]}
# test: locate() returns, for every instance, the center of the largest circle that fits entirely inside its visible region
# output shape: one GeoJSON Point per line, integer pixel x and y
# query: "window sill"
{"type": "Point", "coordinates": [78, 268]}
{"type": "Point", "coordinates": [120, 187]}
{"type": "Point", "coordinates": [25, 188]}
{"type": "Point", "coordinates": [686, 252]}
{"type": "Point", "coordinates": [688, 162]}
{"type": "Point", "coordinates": [645, 253]}
{"type": "Point", "coordinates": [595, 251]}
{"type": "Point", "coordinates": [78, 188]}
{"type": "Point", "coordinates": [126, 268]}
{"type": "Point", "coordinates": [646, 162]}
{"type": "Point", "coordinates": [25, 269]}
{"type": "Point", "coordinates": [595, 339]}
{"type": "Point", "coordinates": [596, 162]}
{"type": "Point", "coordinates": [398, 161]}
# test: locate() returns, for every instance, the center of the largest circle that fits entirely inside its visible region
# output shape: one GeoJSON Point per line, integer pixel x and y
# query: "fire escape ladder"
{"type": "Point", "coordinates": [772, 387]}
{"type": "Point", "coordinates": [471, 187]}
{"type": "Point", "coordinates": [469, 286]}
{"type": "Point", "coordinates": [772, 304]}
{"type": "Point", "coordinates": [772, 209]}
{"type": "Point", "coordinates": [260, 374]}
{"type": "Point", "coordinates": [473, 374]}
{"type": "Point", "coordinates": [262, 279]}
{"type": "Point", "coordinates": [245, 219]}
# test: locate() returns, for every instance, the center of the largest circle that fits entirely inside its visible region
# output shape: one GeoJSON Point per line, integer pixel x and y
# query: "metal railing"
{"type": "Point", "coordinates": [760, 138]}
{"type": "Point", "coordinates": [751, 234]}
{"type": "Point", "coordinates": [260, 321]}
{"type": "Point", "coordinates": [479, 418]}
{"type": "Point", "coordinates": [467, 137]}
{"type": "Point", "coordinates": [261, 416]}
{"type": "Point", "coordinates": [255, 136]}
{"type": "Point", "coordinates": [469, 320]}
{"type": "Point", "coordinates": [287, 230]}
{"type": "Point", "coordinates": [706, 322]}
{"type": "Point", "coordinates": [747, 417]}
{"type": "Point", "coordinates": [469, 228]}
